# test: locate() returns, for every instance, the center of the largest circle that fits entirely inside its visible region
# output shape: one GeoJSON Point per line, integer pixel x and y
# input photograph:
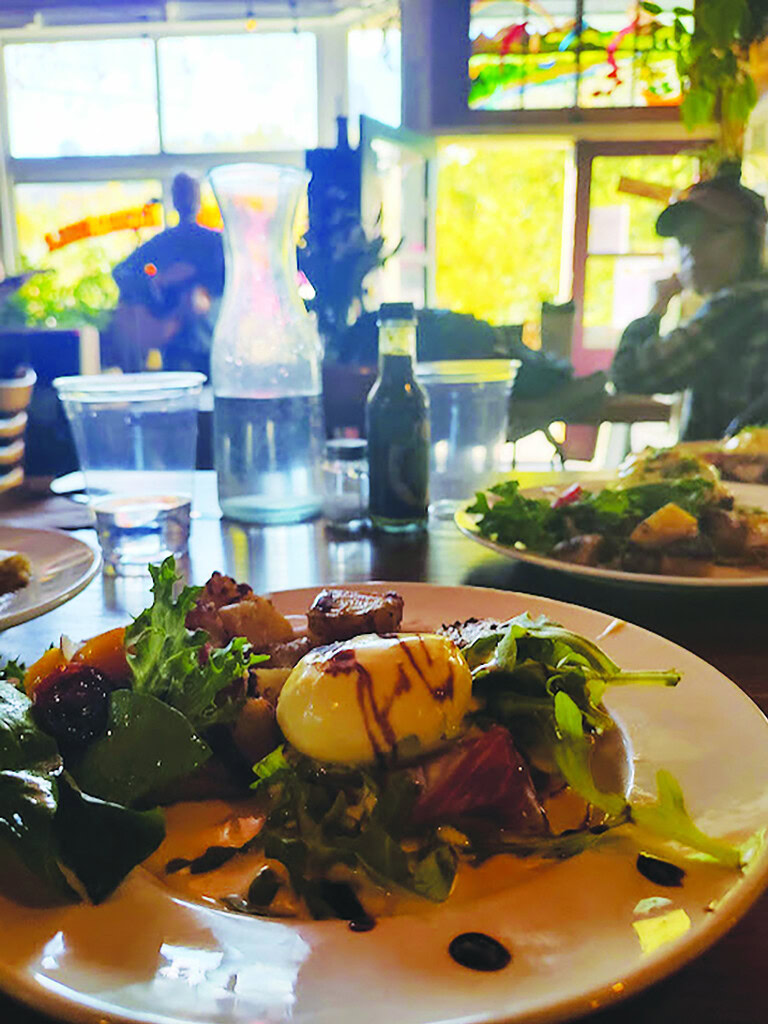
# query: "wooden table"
{"type": "Point", "coordinates": [727, 984]}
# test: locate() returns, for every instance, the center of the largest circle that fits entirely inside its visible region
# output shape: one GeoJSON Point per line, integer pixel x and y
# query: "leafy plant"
{"type": "Point", "coordinates": [711, 62]}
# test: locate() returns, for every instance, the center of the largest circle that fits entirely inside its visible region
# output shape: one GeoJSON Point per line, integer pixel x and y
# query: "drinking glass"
{"type": "Point", "coordinates": [468, 401]}
{"type": "Point", "coordinates": [136, 439]}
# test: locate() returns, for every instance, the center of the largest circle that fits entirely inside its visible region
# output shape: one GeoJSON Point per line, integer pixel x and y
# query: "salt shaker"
{"type": "Point", "coordinates": [345, 482]}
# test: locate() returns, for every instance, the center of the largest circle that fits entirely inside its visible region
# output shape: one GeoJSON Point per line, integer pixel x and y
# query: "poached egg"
{"type": "Point", "coordinates": [359, 700]}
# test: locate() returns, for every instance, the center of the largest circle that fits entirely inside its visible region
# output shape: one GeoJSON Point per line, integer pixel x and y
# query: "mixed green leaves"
{"type": "Point", "coordinates": [179, 667]}
{"type": "Point", "coordinates": [47, 824]}
{"type": "Point", "coordinates": [546, 684]}
{"type": "Point", "coordinates": [80, 814]}
{"type": "Point", "coordinates": [512, 518]}
{"type": "Point", "coordinates": [319, 818]}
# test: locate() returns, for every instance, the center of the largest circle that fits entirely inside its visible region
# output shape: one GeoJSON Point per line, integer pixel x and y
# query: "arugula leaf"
{"type": "Point", "coordinates": [669, 818]}
{"type": "Point", "coordinates": [572, 755]}
{"type": "Point", "coordinates": [177, 666]}
{"type": "Point", "coordinates": [318, 818]}
{"type": "Point", "coordinates": [513, 518]}
{"type": "Point", "coordinates": [147, 745]}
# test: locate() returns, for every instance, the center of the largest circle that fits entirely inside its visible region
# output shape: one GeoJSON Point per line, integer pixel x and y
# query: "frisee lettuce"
{"type": "Point", "coordinates": [179, 667]}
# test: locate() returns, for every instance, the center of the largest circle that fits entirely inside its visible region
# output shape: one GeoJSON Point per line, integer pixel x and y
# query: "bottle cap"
{"type": "Point", "coordinates": [395, 311]}
{"type": "Point", "coordinates": [346, 449]}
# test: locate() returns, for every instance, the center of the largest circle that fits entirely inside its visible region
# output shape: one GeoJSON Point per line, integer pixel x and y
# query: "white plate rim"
{"type": "Point", "coordinates": [733, 907]}
{"type": "Point", "coordinates": [467, 523]}
{"type": "Point", "coordinates": [22, 538]}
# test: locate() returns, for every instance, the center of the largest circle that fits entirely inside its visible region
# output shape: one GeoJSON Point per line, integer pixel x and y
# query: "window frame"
{"type": "Point", "coordinates": [586, 151]}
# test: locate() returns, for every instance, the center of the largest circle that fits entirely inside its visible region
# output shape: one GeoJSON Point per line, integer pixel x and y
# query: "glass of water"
{"type": "Point", "coordinates": [136, 438]}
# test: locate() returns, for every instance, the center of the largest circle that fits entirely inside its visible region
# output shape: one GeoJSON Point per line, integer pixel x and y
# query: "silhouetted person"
{"type": "Point", "coordinates": [720, 353]}
{"type": "Point", "coordinates": [169, 287]}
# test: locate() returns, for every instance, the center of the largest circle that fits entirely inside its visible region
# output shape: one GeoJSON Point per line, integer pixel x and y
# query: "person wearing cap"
{"type": "Point", "coordinates": [721, 353]}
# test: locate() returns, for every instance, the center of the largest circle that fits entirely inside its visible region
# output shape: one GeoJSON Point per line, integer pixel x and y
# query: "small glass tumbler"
{"type": "Point", "coordinates": [136, 439]}
{"type": "Point", "coordinates": [345, 483]}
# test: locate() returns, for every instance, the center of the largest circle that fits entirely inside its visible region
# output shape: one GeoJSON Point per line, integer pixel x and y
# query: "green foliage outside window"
{"type": "Point", "coordinates": [499, 227]}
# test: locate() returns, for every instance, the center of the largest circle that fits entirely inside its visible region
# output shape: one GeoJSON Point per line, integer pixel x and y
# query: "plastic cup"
{"type": "Point", "coordinates": [136, 439]}
{"type": "Point", "coordinates": [468, 426]}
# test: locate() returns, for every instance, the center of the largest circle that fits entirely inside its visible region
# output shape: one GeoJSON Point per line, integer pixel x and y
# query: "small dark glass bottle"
{"type": "Point", "coordinates": [397, 421]}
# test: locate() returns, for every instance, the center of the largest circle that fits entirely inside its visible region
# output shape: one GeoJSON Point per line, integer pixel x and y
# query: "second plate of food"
{"type": "Point", "coordinates": [749, 500]}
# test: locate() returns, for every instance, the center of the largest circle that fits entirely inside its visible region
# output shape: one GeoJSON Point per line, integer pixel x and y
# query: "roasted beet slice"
{"type": "Point", "coordinates": [483, 776]}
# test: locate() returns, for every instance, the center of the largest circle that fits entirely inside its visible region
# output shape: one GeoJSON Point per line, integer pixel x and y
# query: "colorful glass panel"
{"type": "Point", "coordinates": [531, 55]}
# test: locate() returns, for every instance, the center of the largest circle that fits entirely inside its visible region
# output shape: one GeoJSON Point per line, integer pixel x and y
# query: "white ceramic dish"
{"type": "Point", "coordinates": [722, 576]}
{"type": "Point", "coordinates": [146, 956]}
{"type": "Point", "coordinates": [61, 566]}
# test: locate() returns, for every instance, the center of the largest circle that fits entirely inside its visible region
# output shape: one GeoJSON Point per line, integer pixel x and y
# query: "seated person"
{"type": "Point", "coordinates": [720, 353]}
{"type": "Point", "coordinates": [168, 288]}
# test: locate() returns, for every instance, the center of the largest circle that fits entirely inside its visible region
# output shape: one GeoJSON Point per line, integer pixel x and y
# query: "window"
{"type": "Point", "coordinates": [528, 56]}
{"type": "Point", "coordinates": [625, 255]}
{"type": "Point", "coordinates": [78, 284]}
{"type": "Point", "coordinates": [500, 208]}
{"type": "Point", "coordinates": [93, 98]}
{"type": "Point", "coordinates": [244, 92]}
{"type": "Point", "coordinates": [374, 75]}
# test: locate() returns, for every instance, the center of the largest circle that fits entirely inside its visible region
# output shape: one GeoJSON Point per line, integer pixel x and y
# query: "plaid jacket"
{"type": "Point", "coordinates": [720, 354]}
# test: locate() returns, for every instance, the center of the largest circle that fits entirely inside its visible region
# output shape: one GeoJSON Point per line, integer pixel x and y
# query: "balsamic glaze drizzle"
{"type": "Point", "coordinates": [659, 871]}
{"type": "Point", "coordinates": [479, 952]}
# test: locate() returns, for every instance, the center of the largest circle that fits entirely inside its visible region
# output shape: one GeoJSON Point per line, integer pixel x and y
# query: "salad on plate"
{"type": "Point", "coordinates": [666, 513]}
{"type": "Point", "coordinates": [347, 769]}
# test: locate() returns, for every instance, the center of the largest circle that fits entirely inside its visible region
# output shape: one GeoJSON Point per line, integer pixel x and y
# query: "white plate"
{"type": "Point", "coordinates": [146, 956]}
{"type": "Point", "coordinates": [61, 567]}
{"type": "Point", "coordinates": [722, 576]}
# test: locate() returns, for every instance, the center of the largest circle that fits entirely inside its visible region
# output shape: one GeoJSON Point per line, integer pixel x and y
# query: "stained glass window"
{"type": "Point", "coordinates": [556, 54]}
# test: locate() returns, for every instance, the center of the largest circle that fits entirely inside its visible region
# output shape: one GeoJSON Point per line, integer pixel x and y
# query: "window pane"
{"type": "Point", "coordinates": [499, 227]}
{"type": "Point", "coordinates": [531, 56]}
{"type": "Point", "coordinates": [80, 284]}
{"type": "Point", "coordinates": [374, 75]}
{"type": "Point", "coordinates": [254, 91]}
{"type": "Point", "coordinates": [628, 56]}
{"type": "Point", "coordinates": [82, 98]}
{"type": "Point", "coordinates": [622, 222]}
{"type": "Point", "coordinates": [521, 58]}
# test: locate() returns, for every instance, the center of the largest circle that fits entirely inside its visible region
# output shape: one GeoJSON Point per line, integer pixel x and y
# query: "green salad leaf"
{"type": "Point", "coordinates": [30, 870]}
{"type": "Point", "coordinates": [512, 518]}
{"type": "Point", "coordinates": [13, 671]}
{"type": "Point", "coordinates": [669, 819]}
{"type": "Point", "coordinates": [101, 842]}
{"type": "Point", "coordinates": [146, 746]}
{"type": "Point", "coordinates": [23, 745]}
{"type": "Point", "coordinates": [46, 823]}
{"type": "Point", "coordinates": [179, 667]}
{"type": "Point", "coordinates": [318, 818]}
{"type": "Point", "coordinates": [546, 685]}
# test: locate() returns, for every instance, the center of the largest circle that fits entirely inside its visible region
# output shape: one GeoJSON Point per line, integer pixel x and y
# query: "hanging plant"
{"type": "Point", "coordinates": [712, 64]}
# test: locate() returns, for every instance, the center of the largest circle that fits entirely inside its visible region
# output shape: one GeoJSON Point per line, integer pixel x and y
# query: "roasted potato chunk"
{"type": "Point", "coordinates": [341, 614]}
{"type": "Point", "coordinates": [257, 619]}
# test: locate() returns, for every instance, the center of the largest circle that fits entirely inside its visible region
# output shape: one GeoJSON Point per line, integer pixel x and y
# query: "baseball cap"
{"type": "Point", "coordinates": [724, 200]}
